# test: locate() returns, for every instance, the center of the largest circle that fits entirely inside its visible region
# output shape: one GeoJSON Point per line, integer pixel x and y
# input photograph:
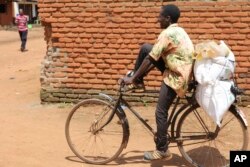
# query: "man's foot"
{"type": "Point", "coordinates": [137, 88]}
{"type": "Point", "coordinates": [157, 155]}
{"type": "Point", "coordinates": [24, 50]}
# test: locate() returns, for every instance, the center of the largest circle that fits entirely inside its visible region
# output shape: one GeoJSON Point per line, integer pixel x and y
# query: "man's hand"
{"type": "Point", "coordinates": [128, 80]}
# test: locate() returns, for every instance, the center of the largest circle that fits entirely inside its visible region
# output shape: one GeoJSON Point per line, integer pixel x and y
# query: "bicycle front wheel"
{"type": "Point", "coordinates": [87, 139]}
{"type": "Point", "coordinates": [202, 143]}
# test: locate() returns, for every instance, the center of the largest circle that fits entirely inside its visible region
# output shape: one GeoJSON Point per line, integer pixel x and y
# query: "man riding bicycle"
{"type": "Point", "coordinates": [172, 55]}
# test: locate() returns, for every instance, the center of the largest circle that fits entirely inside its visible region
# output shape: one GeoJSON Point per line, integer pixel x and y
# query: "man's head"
{"type": "Point", "coordinates": [21, 11]}
{"type": "Point", "coordinates": [169, 14]}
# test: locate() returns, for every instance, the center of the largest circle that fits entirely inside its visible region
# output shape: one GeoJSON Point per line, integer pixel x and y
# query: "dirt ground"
{"type": "Point", "coordinates": [31, 134]}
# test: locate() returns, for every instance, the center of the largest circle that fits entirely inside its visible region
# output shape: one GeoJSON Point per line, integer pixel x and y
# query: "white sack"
{"type": "Point", "coordinates": [216, 99]}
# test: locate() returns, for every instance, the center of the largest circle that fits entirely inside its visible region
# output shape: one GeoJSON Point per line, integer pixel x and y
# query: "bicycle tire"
{"type": "Point", "coordinates": [215, 150]}
{"type": "Point", "coordinates": [95, 147]}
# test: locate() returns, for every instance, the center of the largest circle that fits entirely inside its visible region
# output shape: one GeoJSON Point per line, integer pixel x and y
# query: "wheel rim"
{"type": "Point", "coordinates": [94, 147]}
{"type": "Point", "coordinates": [215, 150]}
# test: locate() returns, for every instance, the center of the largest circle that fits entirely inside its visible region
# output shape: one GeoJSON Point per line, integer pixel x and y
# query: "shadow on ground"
{"type": "Point", "coordinates": [137, 159]}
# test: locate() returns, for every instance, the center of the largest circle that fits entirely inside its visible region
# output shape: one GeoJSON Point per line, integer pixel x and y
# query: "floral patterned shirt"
{"type": "Point", "coordinates": [176, 50]}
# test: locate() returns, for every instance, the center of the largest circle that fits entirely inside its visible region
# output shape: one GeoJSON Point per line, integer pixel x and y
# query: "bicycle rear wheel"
{"type": "Point", "coordinates": [199, 144]}
{"type": "Point", "coordinates": [84, 136]}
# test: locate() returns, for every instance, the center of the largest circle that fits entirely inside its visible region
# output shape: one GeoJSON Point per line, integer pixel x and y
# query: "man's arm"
{"type": "Point", "coordinates": [16, 20]}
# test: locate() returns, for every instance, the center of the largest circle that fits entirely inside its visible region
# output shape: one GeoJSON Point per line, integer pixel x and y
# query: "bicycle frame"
{"type": "Point", "coordinates": [120, 104]}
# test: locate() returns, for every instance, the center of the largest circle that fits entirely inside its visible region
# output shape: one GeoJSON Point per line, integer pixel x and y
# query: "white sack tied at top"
{"type": "Point", "coordinates": [214, 67]}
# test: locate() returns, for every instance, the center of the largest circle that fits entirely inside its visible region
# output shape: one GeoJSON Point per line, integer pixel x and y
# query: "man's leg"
{"type": "Point", "coordinates": [143, 53]}
{"type": "Point", "coordinates": [166, 98]}
{"type": "Point", "coordinates": [24, 39]}
{"type": "Point", "coordinates": [20, 35]}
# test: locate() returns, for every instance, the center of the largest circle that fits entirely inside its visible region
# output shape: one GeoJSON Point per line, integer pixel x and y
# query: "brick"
{"type": "Point", "coordinates": [71, 4]}
{"type": "Point", "coordinates": [85, 46]}
{"type": "Point", "coordinates": [124, 61]}
{"type": "Point", "coordinates": [99, 86]}
{"type": "Point", "coordinates": [81, 80]}
{"type": "Point", "coordinates": [99, 15]}
{"type": "Point", "coordinates": [74, 75]}
{"type": "Point", "coordinates": [223, 25]}
{"type": "Point", "coordinates": [230, 31]}
{"type": "Point", "coordinates": [49, 10]}
{"type": "Point", "coordinates": [92, 30]}
{"type": "Point", "coordinates": [73, 64]}
{"type": "Point", "coordinates": [223, 14]}
{"type": "Point", "coordinates": [50, 20]}
{"type": "Point", "coordinates": [67, 60]}
{"type": "Point", "coordinates": [103, 76]}
{"type": "Point", "coordinates": [240, 25]}
{"type": "Point", "coordinates": [69, 70]}
{"type": "Point", "coordinates": [57, 5]}
{"type": "Point", "coordinates": [71, 14]}
{"type": "Point", "coordinates": [244, 31]}
{"type": "Point", "coordinates": [69, 40]}
{"type": "Point", "coordinates": [77, 9]}
{"type": "Point", "coordinates": [131, 4]}
{"type": "Point", "coordinates": [72, 24]}
{"type": "Point", "coordinates": [244, 59]}
{"type": "Point", "coordinates": [240, 14]}
{"type": "Point", "coordinates": [238, 36]}
{"type": "Point", "coordinates": [113, 46]}
{"type": "Point", "coordinates": [214, 20]}
{"type": "Point", "coordinates": [92, 50]}
{"type": "Point", "coordinates": [80, 70]}
{"type": "Point", "coordinates": [109, 82]}
{"type": "Point", "coordinates": [206, 25]}
{"type": "Point", "coordinates": [63, 20]}
{"type": "Point", "coordinates": [118, 66]}
{"type": "Point", "coordinates": [99, 45]}
{"type": "Point", "coordinates": [81, 60]}
{"type": "Point", "coordinates": [95, 61]}
{"type": "Point", "coordinates": [43, 16]}
{"type": "Point", "coordinates": [245, 53]}
{"type": "Point", "coordinates": [110, 61]}
{"type": "Point", "coordinates": [109, 51]}
{"type": "Point", "coordinates": [205, 14]}
{"type": "Point", "coordinates": [103, 66]}
{"type": "Point", "coordinates": [59, 75]}
{"type": "Point", "coordinates": [244, 64]}
{"type": "Point", "coordinates": [91, 10]}
{"type": "Point", "coordinates": [65, 10]}
{"type": "Point", "coordinates": [95, 71]}
{"type": "Point", "coordinates": [245, 19]}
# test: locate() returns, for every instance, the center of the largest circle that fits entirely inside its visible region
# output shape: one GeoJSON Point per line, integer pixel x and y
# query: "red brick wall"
{"type": "Point", "coordinates": [92, 43]}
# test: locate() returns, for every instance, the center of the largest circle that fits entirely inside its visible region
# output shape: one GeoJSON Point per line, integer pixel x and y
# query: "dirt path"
{"type": "Point", "coordinates": [31, 134]}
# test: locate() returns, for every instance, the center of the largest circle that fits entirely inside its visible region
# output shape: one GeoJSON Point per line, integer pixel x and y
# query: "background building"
{"type": "Point", "coordinates": [9, 9]}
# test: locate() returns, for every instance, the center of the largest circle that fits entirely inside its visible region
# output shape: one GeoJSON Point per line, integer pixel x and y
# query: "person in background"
{"type": "Point", "coordinates": [22, 24]}
{"type": "Point", "coordinates": [172, 55]}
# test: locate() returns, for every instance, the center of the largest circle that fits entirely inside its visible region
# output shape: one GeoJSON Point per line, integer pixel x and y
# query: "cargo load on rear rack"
{"type": "Point", "coordinates": [213, 70]}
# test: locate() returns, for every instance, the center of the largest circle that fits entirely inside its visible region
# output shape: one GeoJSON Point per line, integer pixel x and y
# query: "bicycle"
{"type": "Point", "coordinates": [105, 131]}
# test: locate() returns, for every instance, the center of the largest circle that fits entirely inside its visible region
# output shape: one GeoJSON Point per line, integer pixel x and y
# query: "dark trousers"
{"type": "Point", "coordinates": [166, 98]}
{"type": "Point", "coordinates": [23, 37]}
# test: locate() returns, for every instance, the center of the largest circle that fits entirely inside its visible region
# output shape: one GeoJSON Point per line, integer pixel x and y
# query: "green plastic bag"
{"type": "Point", "coordinates": [29, 26]}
